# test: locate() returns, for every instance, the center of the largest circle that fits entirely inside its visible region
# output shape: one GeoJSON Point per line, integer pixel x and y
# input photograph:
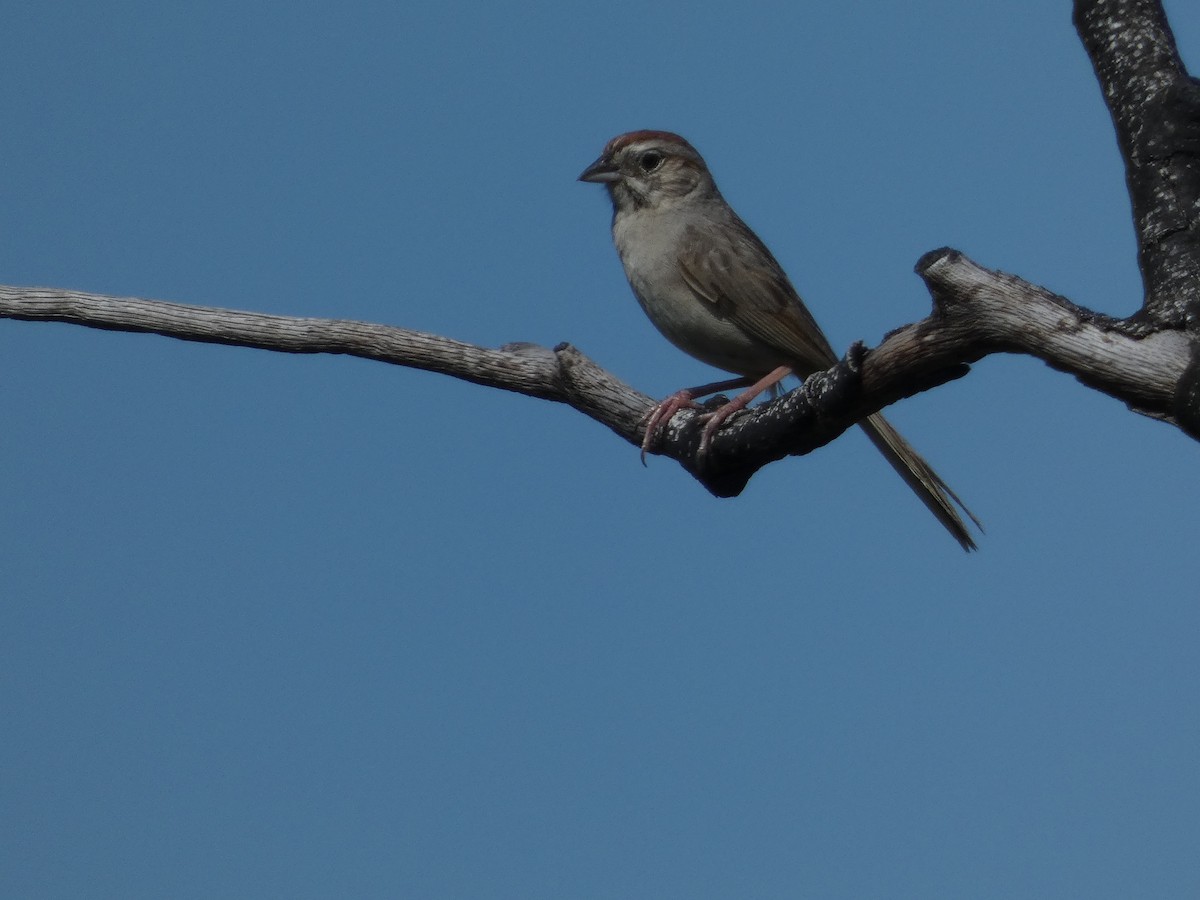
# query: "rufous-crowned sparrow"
{"type": "Point", "coordinates": [715, 291]}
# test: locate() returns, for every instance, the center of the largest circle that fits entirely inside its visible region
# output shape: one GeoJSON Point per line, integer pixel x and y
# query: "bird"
{"type": "Point", "coordinates": [713, 289]}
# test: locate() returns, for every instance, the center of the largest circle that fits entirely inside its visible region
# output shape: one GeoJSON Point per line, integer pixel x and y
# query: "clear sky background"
{"type": "Point", "coordinates": [297, 626]}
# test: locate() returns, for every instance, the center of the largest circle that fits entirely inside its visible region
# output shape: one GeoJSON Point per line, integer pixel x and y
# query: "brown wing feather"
{"type": "Point", "coordinates": [743, 284]}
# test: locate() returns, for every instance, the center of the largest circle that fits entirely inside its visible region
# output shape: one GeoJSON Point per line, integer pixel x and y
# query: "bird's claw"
{"type": "Point", "coordinates": [658, 416]}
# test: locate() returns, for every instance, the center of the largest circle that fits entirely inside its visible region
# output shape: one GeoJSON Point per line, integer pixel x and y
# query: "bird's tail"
{"type": "Point", "coordinates": [919, 475]}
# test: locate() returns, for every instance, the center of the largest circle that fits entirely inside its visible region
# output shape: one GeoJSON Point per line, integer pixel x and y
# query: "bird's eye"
{"type": "Point", "coordinates": [650, 160]}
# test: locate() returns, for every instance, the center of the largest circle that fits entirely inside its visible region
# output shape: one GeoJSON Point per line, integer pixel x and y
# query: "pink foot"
{"type": "Point", "coordinates": [718, 417]}
{"type": "Point", "coordinates": [661, 414]}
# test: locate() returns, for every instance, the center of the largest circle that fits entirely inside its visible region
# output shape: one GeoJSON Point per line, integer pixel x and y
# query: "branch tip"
{"type": "Point", "coordinates": [933, 257]}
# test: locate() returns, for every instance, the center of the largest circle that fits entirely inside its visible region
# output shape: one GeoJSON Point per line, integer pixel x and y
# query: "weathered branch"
{"type": "Point", "coordinates": [563, 375]}
{"type": "Point", "coordinates": [1148, 362]}
{"type": "Point", "coordinates": [1155, 108]}
{"type": "Point", "coordinates": [976, 312]}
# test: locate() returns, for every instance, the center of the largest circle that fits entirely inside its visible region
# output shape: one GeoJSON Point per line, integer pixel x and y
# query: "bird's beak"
{"type": "Point", "coordinates": [602, 171]}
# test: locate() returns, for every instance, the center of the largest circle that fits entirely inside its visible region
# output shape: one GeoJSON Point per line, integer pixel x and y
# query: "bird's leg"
{"type": "Point", "coordinates": [718, 417]}
{"type": "Point", "coordinates": [661, 414]}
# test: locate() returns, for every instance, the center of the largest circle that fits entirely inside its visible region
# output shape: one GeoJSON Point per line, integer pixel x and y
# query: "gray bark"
{"type": "Point", "coordinates": [1148, 361]}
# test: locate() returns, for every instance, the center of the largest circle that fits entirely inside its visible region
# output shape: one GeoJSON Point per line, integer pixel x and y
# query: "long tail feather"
{"type": "Point", "coordinates": [925, 482]}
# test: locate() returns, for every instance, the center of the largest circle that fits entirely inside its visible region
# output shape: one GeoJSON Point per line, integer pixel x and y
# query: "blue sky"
{"type": "Point", "coordinates": [283, 626]}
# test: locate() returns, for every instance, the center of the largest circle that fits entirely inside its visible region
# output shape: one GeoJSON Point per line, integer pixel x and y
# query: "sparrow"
{"type": "Point", "coordinates": [714, 290]}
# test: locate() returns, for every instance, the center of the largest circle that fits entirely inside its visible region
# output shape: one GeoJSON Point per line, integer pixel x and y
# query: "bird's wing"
{"type": "Point", "coordinates": [742, 283]}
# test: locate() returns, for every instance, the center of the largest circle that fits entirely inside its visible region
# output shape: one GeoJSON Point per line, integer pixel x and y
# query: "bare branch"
{"type": "Point", "coordinates": [563, 374]}
{"type": "Point", "coordinates": [1149, 362]}
{"type": "Point", "coordinates": [523, 373]}
{"type": "Point", "coordinates": [976, 312]}
{"type": "Point", "coordinates": [1155, 109]}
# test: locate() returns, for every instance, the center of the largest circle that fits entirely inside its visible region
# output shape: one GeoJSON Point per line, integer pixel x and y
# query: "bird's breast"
{"type": "Point", "coordinates": [649, 249]}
